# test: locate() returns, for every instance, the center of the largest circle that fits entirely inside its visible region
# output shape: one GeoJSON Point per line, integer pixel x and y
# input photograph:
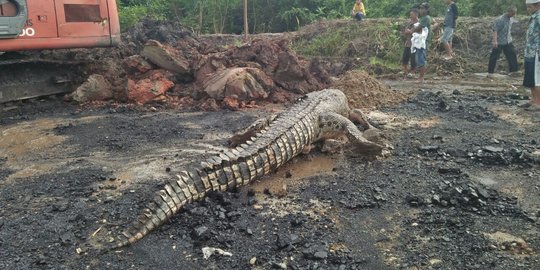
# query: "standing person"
{"type": "Point", "coordinates": [425, 21]}
{"type": "Point", "coordinates": [408, 56]}
{"type": "Point", "coordinates": [532, 54]}
{"type": "Point", "coordinates": [421, 39]}
{"type": "Point", "coordinates": [418, 46]}
{"type": "Point", "coordinates": [358, 11]}
{"type": "Point", "coordinates": [448, 30]}
{"type": "Point", "coordinates": [502, 41]}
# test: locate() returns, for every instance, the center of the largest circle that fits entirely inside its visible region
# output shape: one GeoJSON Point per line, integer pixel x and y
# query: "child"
{"type": "Point", "coordinates": [418, 47]}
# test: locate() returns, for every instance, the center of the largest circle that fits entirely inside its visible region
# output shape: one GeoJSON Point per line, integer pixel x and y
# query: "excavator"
{"type": "Point", "coordinates": [30, 25]}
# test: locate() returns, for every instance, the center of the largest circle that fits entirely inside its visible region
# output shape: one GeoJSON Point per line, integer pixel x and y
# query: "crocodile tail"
{"type": "Point", "coordinates": [167, 202]}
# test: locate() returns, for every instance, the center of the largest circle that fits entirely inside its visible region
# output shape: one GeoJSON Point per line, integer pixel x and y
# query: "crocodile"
{"type": "Point", "coordinates": [319, 115]}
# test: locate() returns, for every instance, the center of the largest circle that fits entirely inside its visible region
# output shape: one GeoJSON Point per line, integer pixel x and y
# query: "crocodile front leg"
{"type": "Point", "coordinates": [358, 117]}
{"type": "Point", "coordinates": [333, 125]}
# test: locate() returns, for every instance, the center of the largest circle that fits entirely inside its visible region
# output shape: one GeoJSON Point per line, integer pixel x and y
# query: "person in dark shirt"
{"type": "Point", "coordinates": [502, 42]}
{"type": "Point", "coordinates": [408, 56]}
{"type": "Point", "coordinates": [449, 26]}
{"type": "Point", "coordinates": [425, 21]}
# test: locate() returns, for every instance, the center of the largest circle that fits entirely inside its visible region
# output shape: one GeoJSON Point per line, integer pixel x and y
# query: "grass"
{"type": "Point", "coordinates": [376, 42]}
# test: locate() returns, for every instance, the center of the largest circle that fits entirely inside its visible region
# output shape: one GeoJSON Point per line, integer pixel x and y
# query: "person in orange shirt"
{"type": "Point", "coordinates": [358, 11]}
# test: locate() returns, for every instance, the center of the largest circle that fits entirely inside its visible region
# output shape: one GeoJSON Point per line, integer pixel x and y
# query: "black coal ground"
{"type": "Point", "coordinates": [428, 206]}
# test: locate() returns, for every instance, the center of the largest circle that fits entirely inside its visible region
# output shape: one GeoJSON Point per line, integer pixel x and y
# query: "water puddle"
{"type": "Point", "coordinates": [298, 170]}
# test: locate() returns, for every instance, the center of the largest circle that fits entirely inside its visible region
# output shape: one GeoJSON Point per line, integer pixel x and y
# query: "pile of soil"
{"type": "Point", "coordinates": [366, 92]}
{"type": "Point", "coordinates": [165, 62]}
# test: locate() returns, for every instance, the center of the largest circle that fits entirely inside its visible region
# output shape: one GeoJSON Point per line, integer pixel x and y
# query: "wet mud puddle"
{"type": "Point", "coordinates": [295, 173]}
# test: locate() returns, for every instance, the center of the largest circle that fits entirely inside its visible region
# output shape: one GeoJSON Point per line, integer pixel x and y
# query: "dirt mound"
{"type": "Point", "coordinates": [376, 45]}
{"type": "Point", "coordinates": [366, 92]}
{"type": "Point", "coordinates": [197, 69]}
{"type": "Point", "coordinates": [253, 71]}
{"type": "Point", "coordinates": [165, 32]}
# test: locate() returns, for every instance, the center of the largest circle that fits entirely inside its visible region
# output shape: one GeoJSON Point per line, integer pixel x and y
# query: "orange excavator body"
{"type": "Point", "coordinates": [58, 24]}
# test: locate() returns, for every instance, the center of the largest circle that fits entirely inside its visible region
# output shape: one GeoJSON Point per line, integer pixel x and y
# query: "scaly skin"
{"type": "Point", "coordinates": [321, 115]}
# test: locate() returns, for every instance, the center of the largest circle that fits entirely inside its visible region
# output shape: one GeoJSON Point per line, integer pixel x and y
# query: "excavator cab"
{"type": "Point", "coordinates": [13, 16]}
{"type": "Point", "coordinates": [58, 24]}
{"type": "Point", "coordinates": [27, 25]}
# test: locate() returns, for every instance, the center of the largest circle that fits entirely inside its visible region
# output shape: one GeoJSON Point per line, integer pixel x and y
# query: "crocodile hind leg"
{"type": "Point", "coordinates": [244, 135]}
{"type": "Point", "coordinates": [333, 125]}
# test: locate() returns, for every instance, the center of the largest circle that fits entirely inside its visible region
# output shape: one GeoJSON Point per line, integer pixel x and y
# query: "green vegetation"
{"type": "Point", "coordinates": [226, 16]}
{"type": "Point", "coordinates": [377, 41]}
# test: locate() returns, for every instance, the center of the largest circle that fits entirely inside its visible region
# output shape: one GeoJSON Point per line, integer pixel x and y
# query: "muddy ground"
{"type": "Point", "coordinates": [461, 189]}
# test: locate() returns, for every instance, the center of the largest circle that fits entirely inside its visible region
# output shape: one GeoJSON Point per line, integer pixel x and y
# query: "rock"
{"type": "Point", "coordinates": [315, 252]}
{"type": "Point", "coordinates": [137, 64]}
{"type": "Point", "coordinates": [60, 206]}
{"type": "Point", "coordinates": [321, 255]}
{"type": "Point", "coordinates": [429, 148]}
{"type": "Point", "coordinates": [253, 261]}
{"type": "Point", "coordinates": [457, 153]}
{"type": "Point", "coordinates": [251, 201]}
{"type": "Point", "coordinates": [231, 103]}
{"type": "Point", "coordinates": [209, 105]}
{"type": "Point", "coordinates": [414, 201]}
{"type": "Point", "coordinates": [297, 222]}
{"type": "Point", "coordinates": [291, 75]}
{"type": "Point", "coordinates": [453, 171]}
{"type": "Point", "coordinates": [149, 88]}
{"type": "Point", "coordinates": [200, 232]}
{"type": "Point", "coordinates": [288, 174]}
{"type": "Point", "coordinates": [96, 88]}
{"type": "Point", "coordinates": [167, 58]}
{"type": "Point", "coordinates": [199, 211]}
{"type": "Point", "coordinates": [443, 106]}
{"type": "Point", "coordinates": [67, 238]}
{"type": "Point", "coordinates": [284, 241]}
{"type": "Point", "coordinates": [493, 149]}
{"type": "Point", "coordinates": [239, 82]}
{"type": "Point", "coordinates": [280, 265]}
{"type": "Point", "coordinates": [209, 251]}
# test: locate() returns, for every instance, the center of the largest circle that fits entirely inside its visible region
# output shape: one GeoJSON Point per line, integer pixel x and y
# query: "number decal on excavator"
{"type": "Point", "coordinates": [28, 32]}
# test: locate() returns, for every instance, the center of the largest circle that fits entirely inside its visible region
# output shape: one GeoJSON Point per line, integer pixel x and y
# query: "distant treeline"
{"type": "Point", "coordinates": [226, 16]}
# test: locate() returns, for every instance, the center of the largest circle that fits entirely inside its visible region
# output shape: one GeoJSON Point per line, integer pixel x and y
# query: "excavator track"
{"type": "Point", "coordinates": [29, 78]}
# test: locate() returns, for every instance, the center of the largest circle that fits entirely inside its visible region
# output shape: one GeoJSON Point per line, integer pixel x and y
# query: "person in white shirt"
{"type": "Point", "coordinates": [418, 47]}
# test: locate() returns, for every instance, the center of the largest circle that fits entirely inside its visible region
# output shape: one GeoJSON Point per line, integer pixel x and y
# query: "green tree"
{"type": "Point", "coordinates": [225, 16]}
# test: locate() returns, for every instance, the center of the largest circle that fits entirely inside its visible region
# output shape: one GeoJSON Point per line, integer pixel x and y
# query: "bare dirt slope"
{"type": "Point", "coordinates": [459, 192]}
